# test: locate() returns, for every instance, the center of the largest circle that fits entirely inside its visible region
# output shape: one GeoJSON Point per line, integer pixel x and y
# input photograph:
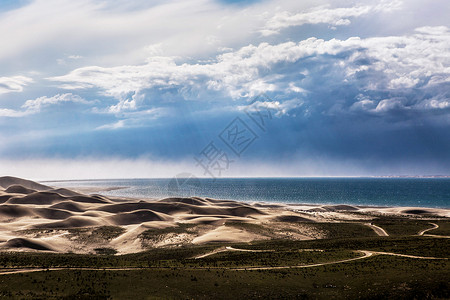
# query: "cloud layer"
{"type": "Point", "coordinates": [363, 82]}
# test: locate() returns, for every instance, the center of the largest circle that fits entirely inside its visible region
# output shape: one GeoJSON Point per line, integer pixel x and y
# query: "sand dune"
{"type": "Point", "coordinates": [339, 207]}
{"type": "Point", "coordinates": [193, 201]}
{"type": "Point", "coordinates": [19, 189]}
{"type": "Point", "coordinates": [7, 181]}
{"type": "Point", "coordinates": [35, 217]}
{"type": "Point", "coordinates": [14, 211]}
{"type": "Point", "coordinates": [70, 206]}
{"type": "Point", "coordinates": [52, 213]}
{"type": "Point", "coordinates": [38, 198]}
{"type": "Point", "coordinates": [225, 234]}
{"type": "Point", "coordinates": [65, 192]}
{"type": "Point", "coordinates": [291, 218]}
{"type": "Point", "coordinates": [137, 217]}
{"type": "Point", "coordinates": [416, 212]}
{"type": "Point", "coordinates": [165, 208]}
{"type": "Point", "coordinates": [27, 243]}
{"type": "Point", "coordinates": [5, 197]}
{"type": "Point", "coordinates": [71, 222]}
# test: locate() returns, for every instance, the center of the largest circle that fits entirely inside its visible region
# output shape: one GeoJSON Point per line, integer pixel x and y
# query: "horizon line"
{"type": "Point", "coordinates": [260, 177]}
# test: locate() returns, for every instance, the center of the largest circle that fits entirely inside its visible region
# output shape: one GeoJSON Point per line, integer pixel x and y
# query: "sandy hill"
{"type": "Point", "coordinates": [35, 217]}
{"type": "Point", "coordinates": [7, 181]}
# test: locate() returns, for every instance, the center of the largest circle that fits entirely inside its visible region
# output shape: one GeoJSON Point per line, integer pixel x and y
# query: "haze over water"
{"type": "Point", "coordinates": [422, 192]}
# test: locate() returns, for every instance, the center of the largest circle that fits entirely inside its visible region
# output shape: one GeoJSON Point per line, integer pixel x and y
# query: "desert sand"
{"type": "Point", "coordinates": [36, 217]}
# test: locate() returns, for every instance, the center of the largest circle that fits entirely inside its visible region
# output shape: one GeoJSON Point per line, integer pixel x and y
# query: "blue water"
{"type": "Point", "coordinates": [425, 192]}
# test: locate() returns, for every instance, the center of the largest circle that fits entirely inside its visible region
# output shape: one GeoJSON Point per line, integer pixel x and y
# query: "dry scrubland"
{"type": "Point", "coordinates": [64, 243]}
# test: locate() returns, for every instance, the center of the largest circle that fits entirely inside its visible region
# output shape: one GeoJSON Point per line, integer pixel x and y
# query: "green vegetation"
{"type": "Point", "coordinates": [380, 277]}
{"type": "Point", "coordinates": [159, 234]}
{"type": "Point", "coordinates": [107, 232]}
{"type": "Point", "coordinates": [176, 272]}
{"type": "Point", "coordinates": [402, 226]}
{"type": "Point", "coordinates": [83, 235]}
{"type": "Point", "coordinates": [276, 258]}
{"type": "Point", "coordinates": [344, 230]}
{"type": "Point", "coordinates": [105, 251]}
{"type": "Point", "coordinates": [250, 227]}
{"type": "Point", "coordinates": [420, 246]}
{"type": "Point", "coordinates": [444, 228]}
{"type": "Point", "coordinates": [96, 234]}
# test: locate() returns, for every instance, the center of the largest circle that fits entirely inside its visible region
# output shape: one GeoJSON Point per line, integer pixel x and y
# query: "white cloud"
{"type": "Point", "coordinates": [38, 103]}
{"type": "Point", "coordinates": [113, 32]}
{"type": "Point", "coordinates": [403, 82]}
{"type": "Point", "coordinates": [278, 108]}
{"type": "Point", "coordinates": [35, 106]}
{"type": "Point", "coordinates": [11, 113]}
{"type": "Point", "coordinates": [362, 105]}
{"type": "Point", "coordinates": [324, 14]}
{"type": "Point", "coordinates": [295, 89]}
{"type": "Point", "coordinates": [434, 104]}
{"type": "Point", "coordinates": [75, 56]}
{"type": "Point", "coordinates": [394, 62]}
{"type": "Point", "coordinates": [134, 119]}
{"type": "Point", "coordinates": [13, 84]}
{"type": "Point", "coordinates": [112, 126]}
{"type": "Point", "coordinates": [389, 104]}
{"type": "Point", "coordinates": [237, 73]}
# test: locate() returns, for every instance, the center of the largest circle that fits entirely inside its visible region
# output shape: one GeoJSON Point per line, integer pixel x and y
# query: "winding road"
{"type": "Point", "coordinates": [378, 230]}
{"type": "Point", "coordinates": [435, 226]}
{"type": "Point", "coordinates": [365, 254]}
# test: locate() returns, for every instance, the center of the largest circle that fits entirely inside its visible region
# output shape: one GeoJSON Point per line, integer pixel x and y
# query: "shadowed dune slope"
{"type": "Point", "coordinates": [14, 211]}
{"type": "Point", "coordinates": [89, 199]}
{"type": "Point", "coordinates": [70, 206]}
{"type": "Point", "coordinates": [6, 181]}
{"type": "Point", "coordinates": [65, 192]}
{"type": "Point", "coordinates": [51, 213]}
{"type": "Point", "coordinates": [18, 189]}
{"type": "Point", "coordinates": [340, 207]}
{"type": "Point", "coordinates": [27, 243]}
{"type": "Point", "coordinates": [291, 219]}
{"type": "Point", "coordinates": [4, 198]}
{"type": "Point", "coordinates": [38, 198]}
{"type": "Point", "coordinates": [137, 217]}
{"type": "Point", "coordinates": [416, 212]}
{"type": "Point", "coordinates": [71, 222]}
{"type": "Point", "coordinates": [165, 208]}
{"type": "Point", "coordinates": [192, 201]}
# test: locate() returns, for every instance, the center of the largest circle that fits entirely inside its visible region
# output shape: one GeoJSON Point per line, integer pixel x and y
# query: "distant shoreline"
{"type": "Point", "coordinates": [362, 191]}
{"type": "Point", "coordinates": [36, 217]}
{"type": "Point", "coordinates": [266, 177]}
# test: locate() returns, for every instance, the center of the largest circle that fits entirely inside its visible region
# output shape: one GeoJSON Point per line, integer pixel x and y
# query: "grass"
{"type": "Point", "coordinates": [344, 230]}
{"type": "Point", "coordinates": [400, 226]}
{"type": "Point", "coordinates": [96, 234]}
{"type": "Point", "coordinates": [107, 232]}
{"type": "Point", "coordinates": [105, 251]}
{"type": "Point", "coordinates": [275, 258]}
{"type": "Point", "coordinates": [444, 228]}
{"type": "Point", "coordinates": [420, 246]}
{"type": "Point", "coordinates": [159, 234]}
{"type": "Point", "coordinates": [250, 227]}
{"type": "Point", "coordinates": [380, 277]}
{"type": "Point", "coordinates": [174, 273]}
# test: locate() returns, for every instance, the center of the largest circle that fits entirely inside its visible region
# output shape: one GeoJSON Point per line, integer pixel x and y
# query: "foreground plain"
{"type": "Point", "coordinates": [58, 243]}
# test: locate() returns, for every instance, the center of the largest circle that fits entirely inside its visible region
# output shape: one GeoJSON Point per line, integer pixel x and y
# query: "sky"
{"type": "Point", "coordinates": [215, 88]}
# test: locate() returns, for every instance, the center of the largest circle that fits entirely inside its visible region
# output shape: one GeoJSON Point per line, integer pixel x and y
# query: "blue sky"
{"type": "Point", "coordinates": [96, 89]}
